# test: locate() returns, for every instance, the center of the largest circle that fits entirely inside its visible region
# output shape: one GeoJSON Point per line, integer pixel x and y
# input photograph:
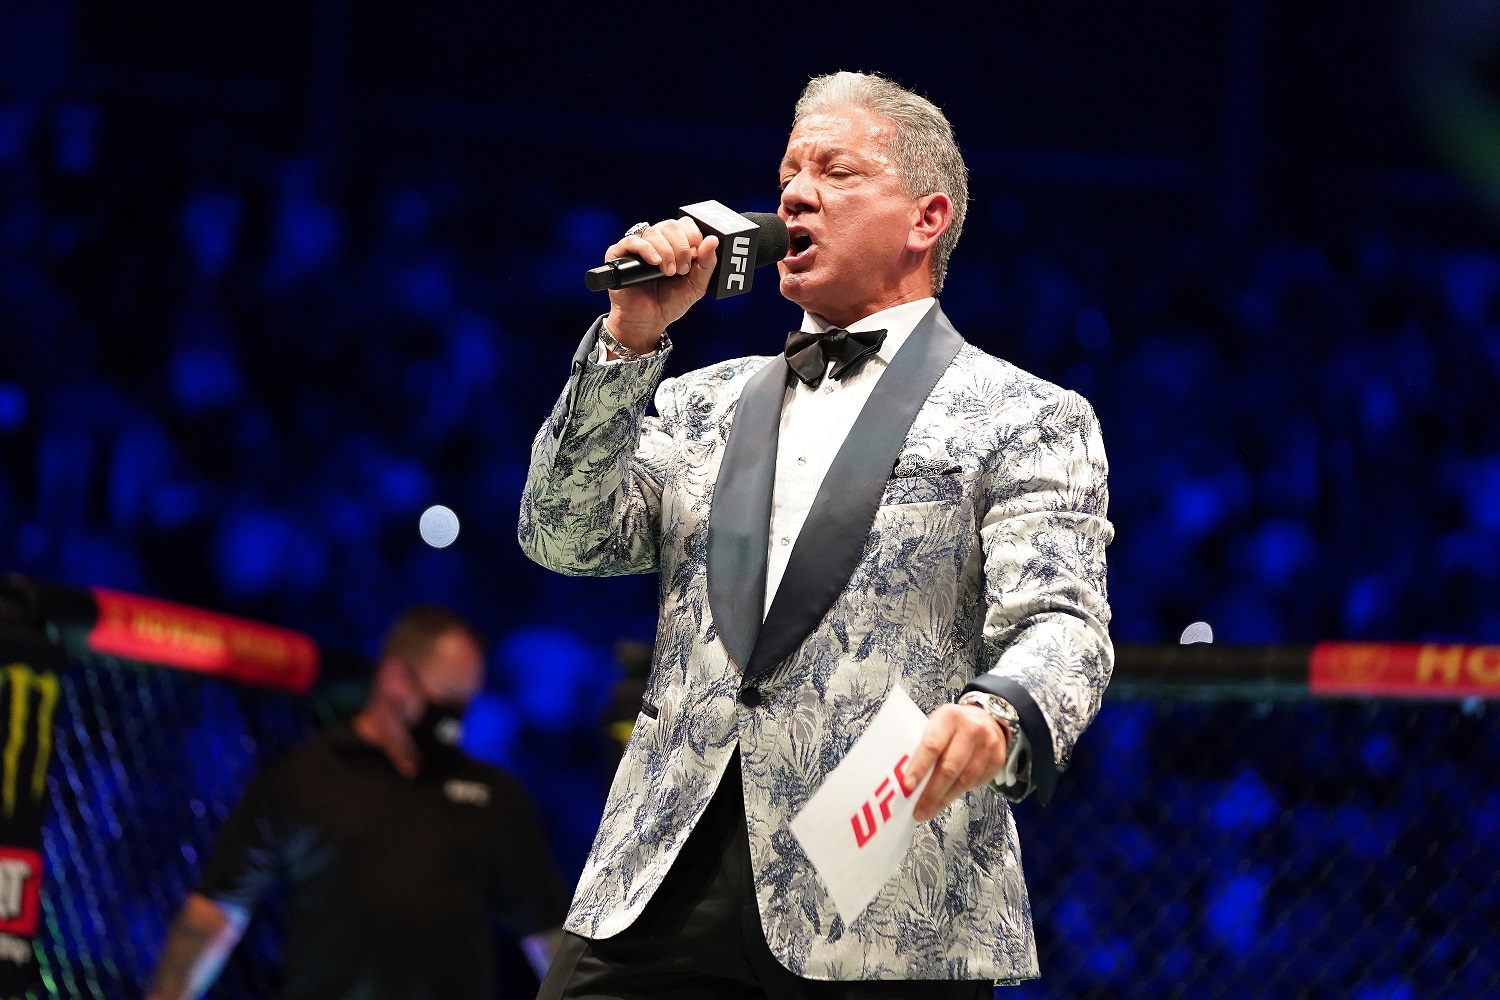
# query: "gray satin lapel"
{"type": "Point", "coordinates": [838, 525]}
{"type": "Point", "coordinates": [739, 521]}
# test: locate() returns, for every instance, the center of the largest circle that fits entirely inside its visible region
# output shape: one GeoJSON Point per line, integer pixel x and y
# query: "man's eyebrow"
{"type": "Point", "coordinates": [818, 152]}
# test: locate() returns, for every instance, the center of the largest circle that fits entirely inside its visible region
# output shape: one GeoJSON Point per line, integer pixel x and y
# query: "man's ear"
{"type": "Point", "coordinates": [932, 214]}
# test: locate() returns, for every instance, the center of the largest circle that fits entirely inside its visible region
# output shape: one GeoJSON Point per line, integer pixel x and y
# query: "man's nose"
{"type": "Point", "coordinates": [799, 195]}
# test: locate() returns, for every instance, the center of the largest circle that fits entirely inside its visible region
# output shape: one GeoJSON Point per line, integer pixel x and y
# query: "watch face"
{"type": "Point", "coordinates": [997, 709]}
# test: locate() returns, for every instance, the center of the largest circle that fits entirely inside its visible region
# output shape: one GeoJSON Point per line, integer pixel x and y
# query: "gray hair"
{"type": "Point", "coordinates": [926, 156]}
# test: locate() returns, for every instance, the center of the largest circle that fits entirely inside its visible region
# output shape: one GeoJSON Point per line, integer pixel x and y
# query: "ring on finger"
{"type": "Point", "coordinates": [638, 229]}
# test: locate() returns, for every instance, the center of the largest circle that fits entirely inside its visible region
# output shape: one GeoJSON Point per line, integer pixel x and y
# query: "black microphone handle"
{"type": "Point", "coordinates": [621, 273]}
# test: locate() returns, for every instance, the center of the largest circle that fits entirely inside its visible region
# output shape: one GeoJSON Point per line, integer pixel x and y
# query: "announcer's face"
{"type": "Point", "coordinates": [851, 227]}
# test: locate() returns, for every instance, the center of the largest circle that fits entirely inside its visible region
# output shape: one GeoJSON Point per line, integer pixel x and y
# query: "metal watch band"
{"type": "Point", "coordinates": [624, 353]}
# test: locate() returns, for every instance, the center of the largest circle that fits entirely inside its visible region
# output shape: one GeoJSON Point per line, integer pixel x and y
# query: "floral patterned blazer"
{"type": "Point", "coordinates": [957, 543]}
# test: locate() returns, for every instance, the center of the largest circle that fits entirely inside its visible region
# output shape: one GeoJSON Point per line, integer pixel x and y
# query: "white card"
{"type": "Point", "coordinates": [857, 827]}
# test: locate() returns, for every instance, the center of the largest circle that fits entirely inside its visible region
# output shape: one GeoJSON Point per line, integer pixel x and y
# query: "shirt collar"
{"type": "Point", "coordinates": [898, 322]}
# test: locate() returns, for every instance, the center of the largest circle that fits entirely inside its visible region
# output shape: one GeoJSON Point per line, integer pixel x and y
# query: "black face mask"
{"type": "Point", "coordinates": [437, 733]}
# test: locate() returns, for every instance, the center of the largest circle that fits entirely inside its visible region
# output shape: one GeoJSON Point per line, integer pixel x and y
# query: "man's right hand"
{"type": "Point", "coordinates": [639, 315]}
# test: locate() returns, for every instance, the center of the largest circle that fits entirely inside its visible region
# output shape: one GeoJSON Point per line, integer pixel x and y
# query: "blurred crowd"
{"type": "Point", "coordinates": [226, 384]}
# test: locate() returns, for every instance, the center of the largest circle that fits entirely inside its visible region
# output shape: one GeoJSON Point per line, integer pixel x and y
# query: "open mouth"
{"type": "Point", "coordinates": [798, 244]}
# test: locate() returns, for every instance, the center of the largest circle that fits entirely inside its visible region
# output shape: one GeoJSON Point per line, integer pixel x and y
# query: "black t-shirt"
{"type": "Point", "coordinates": [392, 882]}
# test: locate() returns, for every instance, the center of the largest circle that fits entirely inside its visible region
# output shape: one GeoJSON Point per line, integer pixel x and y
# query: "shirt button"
{"type": "Point", "coordinates": [801, 460]}
{"type": "Point", "coordinates": [786, 541]}
{"type": "Point", "coordinates": [828, 388]}
{"type": "Point", "coordinates": [750, 697]}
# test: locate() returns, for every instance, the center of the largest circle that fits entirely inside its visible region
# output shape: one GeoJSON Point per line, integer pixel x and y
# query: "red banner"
{"type": "Point", "coordinates": [1408, 670]}
{"type": "Point", "coordinates": [174, 635]}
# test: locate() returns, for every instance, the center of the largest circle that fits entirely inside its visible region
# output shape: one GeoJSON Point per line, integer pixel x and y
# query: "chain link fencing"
{"type": "Point", "coordinates": [1201, 846]}
{"type": "Point", "coordinates": [148, 762]}
{"type": "Point", "coordinates": [1271, 849]}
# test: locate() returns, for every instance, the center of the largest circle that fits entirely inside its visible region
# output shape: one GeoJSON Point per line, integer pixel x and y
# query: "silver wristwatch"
{"type": "Point", "coordinates": [998, 709]}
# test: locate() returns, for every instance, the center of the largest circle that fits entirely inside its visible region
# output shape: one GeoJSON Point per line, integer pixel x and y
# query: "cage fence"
{"type": "Point", "coordinates": [1227, 837]}
{"type": "Point", "coordinates": [148, 762]}
{"type": "Point", "coordinates": [1274, 849]}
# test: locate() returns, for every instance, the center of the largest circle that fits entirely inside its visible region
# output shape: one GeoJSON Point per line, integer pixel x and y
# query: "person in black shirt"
{"type": "Point", "coordinates": [397, 849]}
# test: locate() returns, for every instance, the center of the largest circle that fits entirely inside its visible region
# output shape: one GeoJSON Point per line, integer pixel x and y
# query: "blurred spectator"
{"type": "Point", "coordinates": [396, 848]}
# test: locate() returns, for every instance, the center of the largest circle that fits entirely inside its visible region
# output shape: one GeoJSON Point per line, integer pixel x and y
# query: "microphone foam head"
{"type": "Point", "coordinates": [773, 242]}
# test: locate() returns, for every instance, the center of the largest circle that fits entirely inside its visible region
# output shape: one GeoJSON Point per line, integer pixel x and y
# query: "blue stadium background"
{"type": "Point", "coordinates": [276, 277]}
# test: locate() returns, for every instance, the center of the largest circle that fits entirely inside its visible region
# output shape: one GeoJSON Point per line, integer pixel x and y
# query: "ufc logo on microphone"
{"type": "Point", "coordinates": [739, 260]}
{"type": "Point", "coordinates": [885, 794]}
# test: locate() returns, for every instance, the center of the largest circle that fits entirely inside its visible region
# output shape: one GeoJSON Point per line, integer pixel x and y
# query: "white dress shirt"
{"type": "Point", "coordinates": [814, 424]}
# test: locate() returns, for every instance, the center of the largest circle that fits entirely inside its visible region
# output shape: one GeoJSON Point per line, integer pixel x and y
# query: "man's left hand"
{"type": "Point", "coordinates": [963, 747]}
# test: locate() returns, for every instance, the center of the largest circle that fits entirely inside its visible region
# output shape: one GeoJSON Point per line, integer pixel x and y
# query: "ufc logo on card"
{"type": "Point", "coordinates": [885, 792]}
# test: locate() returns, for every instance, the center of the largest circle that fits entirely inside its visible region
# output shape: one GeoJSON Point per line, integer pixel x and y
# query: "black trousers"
{"type": "Point", "coordinates": [700, 935]}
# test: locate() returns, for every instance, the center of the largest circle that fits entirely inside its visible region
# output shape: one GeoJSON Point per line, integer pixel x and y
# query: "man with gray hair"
{"type": "Point", "coordinates": [883, 505]}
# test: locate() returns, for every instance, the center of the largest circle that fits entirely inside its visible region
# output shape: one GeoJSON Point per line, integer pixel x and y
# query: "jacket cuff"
{"type": "Point", "coordinates": [614, 386]}
{"type": "Point", "coordinates": [1033, 723]}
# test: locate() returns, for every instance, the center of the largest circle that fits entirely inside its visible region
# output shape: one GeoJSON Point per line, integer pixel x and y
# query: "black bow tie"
{"type": "Point", "coordinates": [808, 354]}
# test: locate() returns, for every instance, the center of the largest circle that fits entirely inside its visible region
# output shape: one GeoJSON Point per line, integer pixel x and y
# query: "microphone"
{"type": "Point", "coordinates": [746, 242]}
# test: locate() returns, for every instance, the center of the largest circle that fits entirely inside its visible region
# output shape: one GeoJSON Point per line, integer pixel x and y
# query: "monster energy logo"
{"type": "Point", "coordinates": [22, 679]}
